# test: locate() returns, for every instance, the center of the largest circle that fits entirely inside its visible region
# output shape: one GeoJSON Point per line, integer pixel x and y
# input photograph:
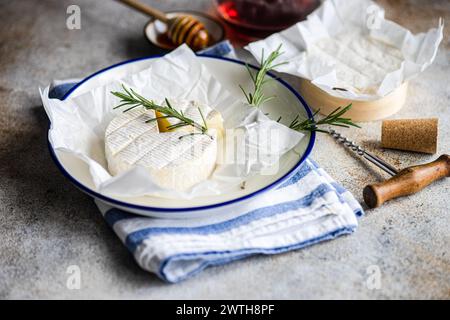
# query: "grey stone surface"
{"type": "Point", "coordinates": [46, 224]}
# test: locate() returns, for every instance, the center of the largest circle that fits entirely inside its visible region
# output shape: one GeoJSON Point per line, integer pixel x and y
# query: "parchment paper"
{"type": "Point", "coordinates": [78, 127]}
{"type": "Point", "coordinates": [348, 49]}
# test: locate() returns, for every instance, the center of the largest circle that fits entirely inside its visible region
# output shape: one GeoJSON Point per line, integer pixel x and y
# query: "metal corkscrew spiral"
{"type": "Point", "coordinates": [346, 142]}
{"type": "Point", "coordinates": [363, 153]}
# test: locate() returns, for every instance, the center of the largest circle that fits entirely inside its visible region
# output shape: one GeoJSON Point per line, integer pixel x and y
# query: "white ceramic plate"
{"type": "Point", "coordinates": [230, 73]}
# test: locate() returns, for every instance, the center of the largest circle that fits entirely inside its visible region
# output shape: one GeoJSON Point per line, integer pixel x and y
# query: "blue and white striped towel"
{"type": "Point", "coordinates": [309, 208]}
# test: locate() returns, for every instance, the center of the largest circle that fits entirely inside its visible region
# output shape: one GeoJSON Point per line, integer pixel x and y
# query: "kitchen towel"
{"type": "Point", "coordinates": [308, 208]}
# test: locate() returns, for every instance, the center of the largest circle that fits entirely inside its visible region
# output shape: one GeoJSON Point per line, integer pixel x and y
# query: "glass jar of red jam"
{"type": "Point", "coordinates": [265, 15]}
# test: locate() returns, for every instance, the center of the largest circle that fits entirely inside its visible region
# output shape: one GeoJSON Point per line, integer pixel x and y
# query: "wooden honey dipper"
{"type": "Point", "coordinates": [181, 29]}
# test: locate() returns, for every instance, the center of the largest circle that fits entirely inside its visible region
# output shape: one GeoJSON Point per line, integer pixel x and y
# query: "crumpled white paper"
{"type": "Point", "coordinates": [348, 49]}
{"type": "Point", "coordinates": [78, 127]}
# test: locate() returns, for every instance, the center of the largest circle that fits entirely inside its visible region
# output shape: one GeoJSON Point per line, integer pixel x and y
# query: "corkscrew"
{"type": "Point", "coordinates": [362, 152]}
{"type": "Point", "coordinates": [403, 182]}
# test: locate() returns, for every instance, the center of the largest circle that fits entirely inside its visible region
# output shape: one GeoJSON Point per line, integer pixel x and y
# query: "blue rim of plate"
{"type": "Point", "coordinates": [199, 208]}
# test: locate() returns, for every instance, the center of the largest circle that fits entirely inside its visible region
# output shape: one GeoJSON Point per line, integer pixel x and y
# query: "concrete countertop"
{"type": "Point", "coordinates": [46, 224]}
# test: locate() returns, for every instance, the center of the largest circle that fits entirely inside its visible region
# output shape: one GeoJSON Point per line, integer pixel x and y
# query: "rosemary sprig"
{"type": "Point", "coordinates": [132, 100]}
{"type": "Point", "coordinates": [257, 98]}
{"type": "Point", "coordinates": [333, 119]}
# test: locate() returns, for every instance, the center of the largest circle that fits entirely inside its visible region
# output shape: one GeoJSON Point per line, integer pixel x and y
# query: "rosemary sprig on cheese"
{"type": "Point", "coordinates": [257, 98]}
{"type": "Point", "coordinates": [333, 119]}
{"type": "Point", "coordinates": [131, 99]}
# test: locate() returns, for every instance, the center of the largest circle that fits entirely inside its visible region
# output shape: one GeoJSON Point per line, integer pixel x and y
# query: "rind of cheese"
{"type": "Point", "coordinates": [190, 109]}
{"type": "Point", "coordinates": [361, 63]}
{"type": "Point", "coordinates": [173, 163]}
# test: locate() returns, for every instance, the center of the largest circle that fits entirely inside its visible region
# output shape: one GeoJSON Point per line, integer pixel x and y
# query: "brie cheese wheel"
{"type": "Point", "coordinates": [361, 63]}
{"type": "Point", "coordinates": [174, 159]}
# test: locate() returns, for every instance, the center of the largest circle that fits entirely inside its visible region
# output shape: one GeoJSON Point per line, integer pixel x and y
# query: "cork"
{"type": "Point", "coordinates": [418, 135]}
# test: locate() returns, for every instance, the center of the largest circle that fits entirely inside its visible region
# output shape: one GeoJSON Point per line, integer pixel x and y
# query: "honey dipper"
{"type": "Point", "coordinates": [181, 29]}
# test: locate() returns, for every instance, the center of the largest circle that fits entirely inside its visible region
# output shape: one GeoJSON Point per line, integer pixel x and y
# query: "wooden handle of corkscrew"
{"type": "Point", "coordinates": [407, 181]}
{"type": "Point", "coordinates": [142, 7]}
